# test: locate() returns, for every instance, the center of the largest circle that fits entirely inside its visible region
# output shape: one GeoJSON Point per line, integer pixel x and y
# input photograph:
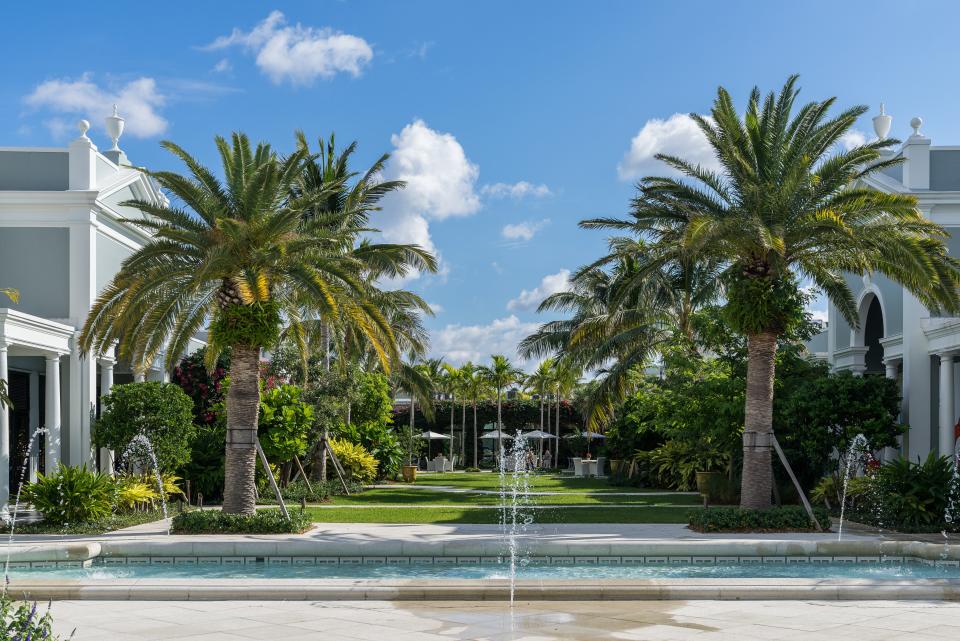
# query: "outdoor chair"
{"type": "Point", "coordinates": [601, 463]}
{"type": "Point", "coordinates": [577, 467]}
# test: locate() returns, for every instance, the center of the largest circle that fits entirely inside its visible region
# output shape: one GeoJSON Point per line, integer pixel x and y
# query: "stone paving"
{"type": "Point", "coordinates": [531, 621]}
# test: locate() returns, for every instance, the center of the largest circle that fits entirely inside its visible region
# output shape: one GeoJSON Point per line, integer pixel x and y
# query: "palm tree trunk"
{"type": "Point", "coordinates": [476, 443]}
{"type": "Point", "coordinates": [243, 413]}
{"type": "Point", "coordinates": [541, 410]}
{"type": "Point", "coordinates": [452, 409]}
{"type": "Point", "coordinates": [558, 421]}
{"type": "Point", "coordinates": [499, 426]}
{"type": "Point", "coordinates": [757, 483]}
{"type": "Point", "coordinates": [463, 430]}
{"type": "Point", "coordinates": [410, 439]}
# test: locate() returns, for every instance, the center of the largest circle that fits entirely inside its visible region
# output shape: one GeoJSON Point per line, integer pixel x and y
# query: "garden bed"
{"type": "Point", "coordinates": [262, 522]}
{"type": "Point", "coordinates": [788, 518]}
{"type": "Point", "coordinates": [98, 526]}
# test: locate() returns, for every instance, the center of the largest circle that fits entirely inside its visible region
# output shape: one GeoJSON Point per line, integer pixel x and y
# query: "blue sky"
{"type": "Point", "coordinates": [510, 120]}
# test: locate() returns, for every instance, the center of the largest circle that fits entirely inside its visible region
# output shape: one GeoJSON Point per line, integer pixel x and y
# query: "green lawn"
{"type": "Point", "coordinates": [582, 501]}
{"type": "Point", "coordinates": [538, 482]}
{"type": "Point", "coordinates": [613, 514]}
{"type": "Point", "coordinates": [405, 495]}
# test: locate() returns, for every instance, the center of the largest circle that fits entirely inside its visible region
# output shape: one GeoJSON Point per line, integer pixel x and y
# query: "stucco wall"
{"type": "Point", "coordinates": [944, 170]}
{"type": "Point", "coordinates": [34, 170]}
{"type": "Point", "coordinates": [110, 254]}
{"type": "Point", "coordinates": [35, 261]}
{"type": "Point", "coordinates": [113, 201]}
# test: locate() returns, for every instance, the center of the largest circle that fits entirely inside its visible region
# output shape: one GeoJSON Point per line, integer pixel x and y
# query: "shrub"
{"type": "Point", "coordinates": [141, 493]}
{"type": "Point", "coordinates": [357, 462]}
{"type": "Point", "coordinates": [789, 518]}
{"type": "Point", "coordinates": [318, 491]}
{"type": "Point", "coordinates": [285, 422]}
{"type": "Point", "coordinates": [217, 522]}
{"type": "Point", "coordinates": [22, 621]}
{"type": "Point", "coordinates": [71, 495]}
{"type": "Point", "coordinates": [907, 496]}
{"type": "Point", "coordinates": [161, 411]}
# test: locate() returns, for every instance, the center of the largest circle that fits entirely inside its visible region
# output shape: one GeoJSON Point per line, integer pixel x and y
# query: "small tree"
{"type": "Point", "coordinates": [160, 411]}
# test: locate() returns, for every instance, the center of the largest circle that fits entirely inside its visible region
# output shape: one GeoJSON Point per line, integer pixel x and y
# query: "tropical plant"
{"type": "Point", "coordinates": [357, 462]}
{"type": "Point", "coordinates": [499, 375]}
{"type": "Point", "coordinates": [160, 411]}
{"type": "Point", "coordinates": [71, 495]}
{"type": "Point", "coordinates": [260, 249]}
{"type": "Point", "coordinates": [285, 422]}
{"type": "Point", "coordinates": [420, 385]}
{"type": "Point", "coordinates": [784, 206]}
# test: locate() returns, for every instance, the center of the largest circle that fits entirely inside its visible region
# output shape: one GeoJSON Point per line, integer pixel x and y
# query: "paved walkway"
{"type": "Point", "coordinates": [466, 490]}
{"type": "Point", "coordinates": [580, 533]}
{"type": "Point", "coordinates": [534, 621]}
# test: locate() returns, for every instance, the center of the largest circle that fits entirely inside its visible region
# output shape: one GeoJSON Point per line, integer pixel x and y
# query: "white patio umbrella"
{"type": "Point", "coordinates": [496, 434]}
{"type": "Point", "coordinates": [587, 434]}
{"type": "Point", "coordinates": [538, 435]}
{"type": "Point", "coordinates": [433, 436]}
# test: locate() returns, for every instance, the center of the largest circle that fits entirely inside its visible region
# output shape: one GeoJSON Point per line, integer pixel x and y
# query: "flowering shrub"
{"type": "Point", "coordinates": [22, 621]}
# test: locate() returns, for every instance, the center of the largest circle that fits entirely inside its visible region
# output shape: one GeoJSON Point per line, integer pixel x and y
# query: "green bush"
{"type": "Point", "coordinates": [161, 411]}
{"type": "Point", "coordinates": [789, 518]}
{"type": "Point", "coordinates": [357, 462]}
{"type": "Point", "coordinates": [318, 491]}
{"type": "Point", "coordinates": [71, 495]}
{"type": "Point", "coordinates": [22, 621]}
{"type": "Point", "coordinates": [285, 422]}
{"type": "Point", "coordinates": [907, 496]}
{"type": "Point", "coordinates": [217, 522]}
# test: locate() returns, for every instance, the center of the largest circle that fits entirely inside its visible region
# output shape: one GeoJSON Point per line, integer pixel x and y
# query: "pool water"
{"type": "Point", "coordinates": [260, 570]}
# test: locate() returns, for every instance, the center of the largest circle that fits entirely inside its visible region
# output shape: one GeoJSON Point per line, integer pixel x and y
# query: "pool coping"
{"type": "Point", "coordinates": [485, 589]}
{"type": "Point", "coordinates": [479, 589]}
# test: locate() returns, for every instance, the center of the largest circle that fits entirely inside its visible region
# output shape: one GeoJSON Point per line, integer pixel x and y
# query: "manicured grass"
{"type": "Point", "coordinates": [613, 514]}
{"type": "Point", "coordinates": [538, 482]}
{"type": "Point", "coordinates": [406, 495]}
{"type": "Point", "coordinates": [109, 524]}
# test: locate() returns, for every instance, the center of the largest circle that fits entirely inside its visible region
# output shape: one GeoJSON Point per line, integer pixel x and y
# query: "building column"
{"type": "Point", "coordinates": [892, 371]}
{"type": "Point", "coordinates": [33, 446]}
{"type": "Point", "coordinates": [4, 438]}
{"type": "Point", "coordinates": [947, 418]}
{"type": "Point", "coordinates": [52, 412]}
{"type": "Point", "coordinates": [106, 384]}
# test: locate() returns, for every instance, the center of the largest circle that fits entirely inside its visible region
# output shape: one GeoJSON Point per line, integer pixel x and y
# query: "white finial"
{"type": "Point", "coordinates": [882, 123]}
{"type": "Point", "coordinates": [916, 122]}
{"type": "Point", "coordinates": [116, 114]}
{"type": "Point", "coordinates": [114, 128]}
{"type": "Point", "coordinates": [84, 127]}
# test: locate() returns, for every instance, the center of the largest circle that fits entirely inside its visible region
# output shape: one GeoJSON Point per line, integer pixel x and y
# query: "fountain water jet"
{"type": "Point", "coordinates": [138, 445]}
{"type": "Point", "coordinates": [16, 506]}
{"type": "Point", "coordinates": [859, 443]}
{"type": "Point", "coordinates": [515, 505]}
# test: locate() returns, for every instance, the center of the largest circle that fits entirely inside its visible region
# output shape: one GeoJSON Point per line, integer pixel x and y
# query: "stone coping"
{"type": "Point", "coordinates": [480, 547]}
{"type": "Point", "coordinates": [487, 589]}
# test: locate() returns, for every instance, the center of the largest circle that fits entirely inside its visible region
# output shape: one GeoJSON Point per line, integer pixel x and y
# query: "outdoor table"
{"type": "Point", "coordinates": [589, 467]}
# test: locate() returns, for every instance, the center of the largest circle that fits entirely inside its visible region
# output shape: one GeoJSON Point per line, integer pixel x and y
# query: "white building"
{"type": "Point", "coordinates": [898, 336]}
{"type": "Point", "coordinates": [61, 242]}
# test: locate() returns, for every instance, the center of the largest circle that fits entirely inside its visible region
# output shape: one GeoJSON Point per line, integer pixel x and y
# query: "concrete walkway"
{"type": "Point", "coordinates": [464, 490]}
{"type": "Point", "coordinates": [529, 621]}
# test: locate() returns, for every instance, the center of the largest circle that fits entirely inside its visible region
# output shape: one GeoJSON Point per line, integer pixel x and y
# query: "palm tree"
{"type": "Point", "coordinates": [451, 386]}
{"type": "Point", "coordinates": [249, 257]}
{"type": "Point", "coordinates": [414, 378]}
{"type": "Point", "coordinates": [565, 376]}
{"type": "Point", "coordinates": [786, 205]}
{"type": "Point", "coordinates": [499, 375]}
{"type": "Point", "coordinates": [473, 385]}
{"type": "Point", "coordinates": [540, 382]}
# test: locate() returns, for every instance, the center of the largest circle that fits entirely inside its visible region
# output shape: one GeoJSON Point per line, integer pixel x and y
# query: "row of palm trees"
{"type": "Point", "coordinates": [786, 207]}
{"type": "Point", "coordinates": [552, 381]}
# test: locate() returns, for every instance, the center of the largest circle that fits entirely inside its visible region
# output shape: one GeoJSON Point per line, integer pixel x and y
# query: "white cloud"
{"type": "Point", "coordinates": [550, 284]}
{"type": "Point", "coordinates": [461, 343]}
{"type": "Point", "coordinates": [441, 183]}
{"type": "Point", "coordinates": [852, 138]}
{"type": "Point", "coordinates": [298, 53]}
{"type": "Point", "coordinates": [678, 136]}
{"type": "Point", "coordinates": [139, 102]}
{"type": "Point", "coordinates": [223, 66]}
{"type": "Point", "coordinates": [523, 231]}
{"type": "Point", "coordinates": [516, 190]}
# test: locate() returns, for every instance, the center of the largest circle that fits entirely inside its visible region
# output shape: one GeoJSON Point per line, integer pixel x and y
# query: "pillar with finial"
{"type": "Point", "coordinates": [83, 160]}
{"type": "Point", "coordinates": [114, 125]}
{"type": "Point", "coordinates": [916, 155]}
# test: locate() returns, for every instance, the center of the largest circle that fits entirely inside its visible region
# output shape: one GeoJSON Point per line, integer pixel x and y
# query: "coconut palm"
{"type": "Point", "coordinates": [414, 378]}
{"type": "Point", "coordinates": [451, 387]}
{"type": "Point", "coordinates": [785, 206]}
{"type": "Point", "coordinates": [242, 252]}
{"type": "Point", "coordinates": [500, 374]}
